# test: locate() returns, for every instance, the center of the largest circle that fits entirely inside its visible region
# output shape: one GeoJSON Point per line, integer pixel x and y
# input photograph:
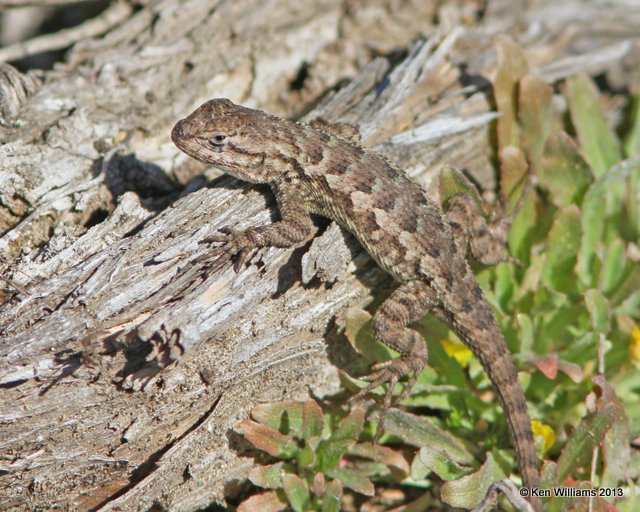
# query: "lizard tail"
{"type": "Point", "coordinates": [480, 332]}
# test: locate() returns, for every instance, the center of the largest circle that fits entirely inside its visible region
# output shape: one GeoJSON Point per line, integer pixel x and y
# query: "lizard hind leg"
{"type": "Point", "coordinates": [486, 240]}
{"type": "Point", "coordinates": [407, 304]}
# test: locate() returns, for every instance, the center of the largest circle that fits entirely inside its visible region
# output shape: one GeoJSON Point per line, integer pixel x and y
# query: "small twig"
{"type": "Point", "coordinates": [110, 17]}
{"type": "Point", "coordinates": [596, 449]}
{"type": "Point", "coordinates": [601, 351]}
{"type": "Point", "coordinates": [15, 285]}
{"type": "Point", "coordinates": [510, 491]}
{"type": "Point", "coordinates": [12, 283]}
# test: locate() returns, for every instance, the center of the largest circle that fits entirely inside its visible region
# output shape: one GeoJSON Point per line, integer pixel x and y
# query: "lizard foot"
{"type": "Point", "coordinates": [391, 372]}
{"type": "Point", "coordinates": [235, 245]}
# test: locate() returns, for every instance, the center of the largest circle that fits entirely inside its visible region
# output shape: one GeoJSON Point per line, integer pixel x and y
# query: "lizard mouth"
{"type": "Point", "coordinates": [186, 142]}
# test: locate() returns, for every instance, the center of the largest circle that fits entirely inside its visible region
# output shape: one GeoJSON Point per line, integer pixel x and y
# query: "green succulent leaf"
{"type": "Point", "coordinates": [330, 453]}
{"type": "Point", "coordinates": [587, 436]}
{"type": "Point", "coordinates": [535, 116]}
{"type": "Point", "coordinates": [598, 307]}
{"type": "Point", "coordinates": [419, 431]}
{"type": "Point", "coordinates": [353, 480]}
{"type": "Point", "coordinates": [284, 416]}
{"type": "Point", "coordinates": [268, 477]}
{"type": "Point", "coordinates": [616, 447]}
{"type": "Point", "coordinates": [431, 458]}
{"type": "Point", "coordinates": [331, 500]}
{"type": "Point", "coordinates": [297, 492]}
{"type": "Point", "coordinates": [312, 420]}
{"type": "Point", "coordinates": [269, 440]}
{"type": "Point", "coordinates": [615, 267]}
{"type": "Point", "coordinates": [598, 142]}
{"type": "Point", "coordinates": [265, 502]}
{"type": "Point", "coordinates": [513, 174]}
{"type": "Point", "coordinates": [393, 459]}
{"type": "Point", "coordinates": [468, 491]}
{"type": "Point", "coordinates": [563, 171]}
{"type": "Point", "coordinates": [512, 67]}
{"type": "Point", "coordinates": [350, 427]}
{"type": "Point", "coordinates": [563, 245]}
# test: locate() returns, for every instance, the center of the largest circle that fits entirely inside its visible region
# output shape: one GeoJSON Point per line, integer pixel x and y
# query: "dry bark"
{"type": "Point", "coordinates": [125, 365]}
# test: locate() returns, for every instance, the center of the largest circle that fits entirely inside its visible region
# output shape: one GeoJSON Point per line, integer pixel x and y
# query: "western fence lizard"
{"type": "Point", "coordinates": [316, 169]}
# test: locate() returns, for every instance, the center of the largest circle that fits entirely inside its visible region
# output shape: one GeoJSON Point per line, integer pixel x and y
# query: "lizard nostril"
{"type": "Point", "coordinates": [179, 131]}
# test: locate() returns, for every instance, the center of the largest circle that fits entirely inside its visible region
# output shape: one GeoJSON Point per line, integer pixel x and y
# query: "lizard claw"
{"type": "Point", "coordinates": [391, 372]}
{"type": "Point", "coordinates": [235, 244]}
{"type": "Point", "coordinates": [387, 372]}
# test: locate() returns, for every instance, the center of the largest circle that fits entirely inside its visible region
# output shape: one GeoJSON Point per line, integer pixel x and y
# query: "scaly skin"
{"type": "Point", "coordinates": [319, 170]}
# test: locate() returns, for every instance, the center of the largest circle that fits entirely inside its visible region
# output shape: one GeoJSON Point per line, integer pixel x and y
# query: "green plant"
{"type": "Point", "coordinates": [318, 455]}
{"type": "Point", "coordinates": [569, 312]}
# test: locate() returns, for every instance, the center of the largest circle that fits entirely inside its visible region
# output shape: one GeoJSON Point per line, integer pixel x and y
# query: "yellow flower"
{"type": "Point", "coordinates": [543, 434]}
{"type": "Point", "coordinates": [458, 351]}
{"type": "Point", "coordinates": [634, 345]}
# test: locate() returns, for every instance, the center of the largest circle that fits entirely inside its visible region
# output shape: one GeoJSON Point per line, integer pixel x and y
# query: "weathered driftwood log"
{"type": "Point", "coordinates": [125, 364]}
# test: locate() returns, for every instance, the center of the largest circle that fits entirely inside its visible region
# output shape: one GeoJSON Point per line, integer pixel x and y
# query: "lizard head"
{"type": "Point", "coordinates": [228, 136]}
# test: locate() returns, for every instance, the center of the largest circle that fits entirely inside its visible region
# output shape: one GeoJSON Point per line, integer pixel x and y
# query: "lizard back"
{"type": "Point", "coordinates": [390, 214]}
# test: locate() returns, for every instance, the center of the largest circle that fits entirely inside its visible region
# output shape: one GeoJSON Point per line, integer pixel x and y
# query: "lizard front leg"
{"type": "Point", "coordinates": [294, 229]}
{"type": "Point", "coordinates": [486, 240]}
{"type": "Point", "coordinates": [410, 302]}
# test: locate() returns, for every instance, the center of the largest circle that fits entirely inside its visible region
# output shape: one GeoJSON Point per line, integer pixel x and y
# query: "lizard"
{"type": "Point", "coordinates": [318, 169]}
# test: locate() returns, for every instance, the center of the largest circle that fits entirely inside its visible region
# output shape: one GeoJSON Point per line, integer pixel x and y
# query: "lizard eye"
{"type": "Point", "coordinates": [217, 139]}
